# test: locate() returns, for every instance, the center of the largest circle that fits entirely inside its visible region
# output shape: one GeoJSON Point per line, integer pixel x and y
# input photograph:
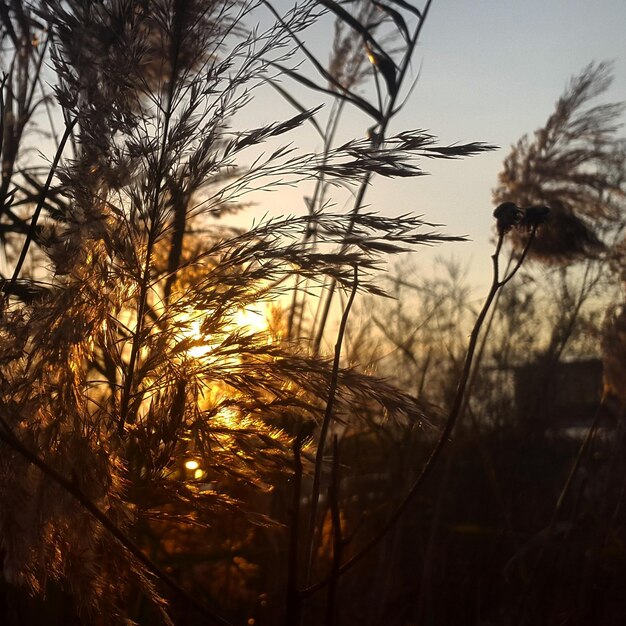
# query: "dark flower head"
{"type": "Point", "coordinates": [534, 216]}
{"type": "Point", "coordinates": [507, 215]}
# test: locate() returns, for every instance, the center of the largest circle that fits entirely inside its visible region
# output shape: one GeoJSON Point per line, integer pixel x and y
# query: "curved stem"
{"type": "Point", "coordinates": [317, 201]}
{"type": "Point", "coordinates": [326, 422]}
{"type": "Point", "coordinates": [453, 415]}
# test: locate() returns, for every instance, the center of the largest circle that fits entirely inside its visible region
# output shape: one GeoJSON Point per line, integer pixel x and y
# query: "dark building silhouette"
{"type": "Point", "coordinates": [559, 395]}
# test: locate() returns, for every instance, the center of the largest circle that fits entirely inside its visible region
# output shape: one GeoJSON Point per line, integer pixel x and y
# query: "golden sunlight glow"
{"type": "Point", "coordinates": [192, 464]}
{"type": "Point", "coordinates": [198, 474]}
{"type": "Point", "coordinates": [250, 320]}
{"type": "Point", "coordinates": [228, 417]}
{"type": "Point", "coordinates": [195, 333]}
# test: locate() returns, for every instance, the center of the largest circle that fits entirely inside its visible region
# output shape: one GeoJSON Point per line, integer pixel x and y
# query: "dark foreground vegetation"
{"type": "Point", "coordinates": [207, 424]}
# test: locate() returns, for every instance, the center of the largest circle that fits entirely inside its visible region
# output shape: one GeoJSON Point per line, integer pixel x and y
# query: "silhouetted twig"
{"type": "Point", "coordinates": [442, 441]}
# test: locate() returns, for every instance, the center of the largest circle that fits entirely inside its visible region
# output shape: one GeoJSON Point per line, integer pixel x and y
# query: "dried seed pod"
{"type": "Point", "coordinates": [507, 216]}
{"type": "Point", "coordinates": [534, 216]}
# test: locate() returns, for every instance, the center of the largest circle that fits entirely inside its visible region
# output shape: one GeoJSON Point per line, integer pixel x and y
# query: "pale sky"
{"type": "Point", "coordinates": [491, 70]}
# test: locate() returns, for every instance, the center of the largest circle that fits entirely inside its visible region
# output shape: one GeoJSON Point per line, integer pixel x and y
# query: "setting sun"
{"type": "Point", "coordinates": [252, 318]}
{"type": "Point", "coordinates": [257, 367]}
{"type": "Point", "coordinates": [249, 321]}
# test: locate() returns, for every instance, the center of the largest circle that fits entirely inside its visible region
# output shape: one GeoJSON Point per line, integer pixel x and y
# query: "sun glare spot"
{"type": "Point", "coordinates": [195, 334]}
{"type": "Point", "coordinates": [192, 465]}
{"type": "Point", "coordinates": [251, 318]}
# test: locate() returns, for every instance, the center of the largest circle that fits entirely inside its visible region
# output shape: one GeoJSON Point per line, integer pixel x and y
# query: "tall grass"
{"type": "Point", "coordinates": [166, 458]}
{"type": "Point", "coordinates": [139, 418]}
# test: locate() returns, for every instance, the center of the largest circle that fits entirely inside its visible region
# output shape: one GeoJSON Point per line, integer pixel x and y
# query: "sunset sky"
{"type": "Point", "coordinates": [490, 71]}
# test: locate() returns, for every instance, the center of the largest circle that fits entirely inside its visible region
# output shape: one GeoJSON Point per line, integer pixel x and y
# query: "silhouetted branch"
{"type": "Point", "coordinates": [451, 421]}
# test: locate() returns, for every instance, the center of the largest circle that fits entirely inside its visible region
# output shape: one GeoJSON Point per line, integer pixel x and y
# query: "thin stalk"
{"type": "Point", "coordinates": [577, 462]}
{"type": "Point", "coordinates": [317, 199]}
{"type": "Point", "coordinates": [293, 603]}
{"type": "Point", "coordinates": [424, 585]}
{"type": "Point", "coordinates": [32, 229]}
{"type": "Point", "coordinates": [453, 416]}
{"type": "Point", "coordinates": [152, 216]}
{"type": "Point", "coordinates": [483, 344]}
{"type": "Point", "coordinates": [70, 487]}
{"type": "Point", "coordinates": [588, 284]}
{"type": "Point", "coordinates": [326, 422]}
{"type": "Point", "coordinates": [3, 83]}
{"type": "Point", "coordinates": [24, 112]}
{"type": "Point", "coordinates": [377, 138]}
{"type": "Point", "coordinates": [45, 100]}
{"type": "Point", "coordinates": [561, 336]}
{"type": "Point", "coordinates": [37, 72]}
{"type": "Point", "coordinates": [335, 516]}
